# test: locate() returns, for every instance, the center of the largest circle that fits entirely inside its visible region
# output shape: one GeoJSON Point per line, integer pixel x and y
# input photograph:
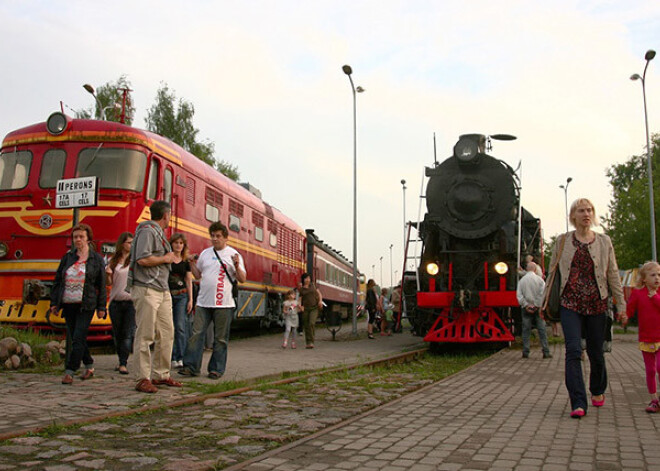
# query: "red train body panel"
{"type": "Point", "coordinates": [134, 167]}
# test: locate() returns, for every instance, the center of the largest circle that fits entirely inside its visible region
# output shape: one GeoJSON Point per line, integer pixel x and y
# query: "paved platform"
{"type": "Point", "coordinates": [504, 413]}
{"type": "Point", "coordinates": [31, 400]}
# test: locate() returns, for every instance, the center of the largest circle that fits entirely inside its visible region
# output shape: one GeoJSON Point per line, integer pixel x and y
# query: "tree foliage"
{"type": "Point", "coordinates": [173, 119]}
{"type": "Point", "coordinates": [628, 220]}
{"type": "Point", "coordinates": [110, 97]}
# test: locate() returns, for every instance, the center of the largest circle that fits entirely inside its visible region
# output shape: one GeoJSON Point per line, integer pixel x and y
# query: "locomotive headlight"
{"type": "Point", "coordinates": [501, 268]}
{"type": "Point", "coordinates": [57, 123]}
{"type": "Point", "coordinates": [432, 269]}
{"type": "Point", "coordinates": [466, 150]}
{"type": "Point", "coordinates": [3, 250]}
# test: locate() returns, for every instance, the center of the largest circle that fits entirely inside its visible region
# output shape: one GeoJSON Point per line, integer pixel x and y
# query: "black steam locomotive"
{"type": "Point", "coordinates": [474, 234]}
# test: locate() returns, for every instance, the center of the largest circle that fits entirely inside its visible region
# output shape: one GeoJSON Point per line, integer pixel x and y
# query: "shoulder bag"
{"type": "Point", "coordinates": [234, 285]}
{"type": "Point", "coordinates": [551, 302]}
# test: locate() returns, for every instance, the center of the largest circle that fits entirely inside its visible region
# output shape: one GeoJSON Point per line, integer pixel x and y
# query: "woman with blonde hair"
{"type": "Point", "coordinates": [589, 271]}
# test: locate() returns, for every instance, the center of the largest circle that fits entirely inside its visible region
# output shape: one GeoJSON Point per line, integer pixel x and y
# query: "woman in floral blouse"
{"type": "Point", "coordinates": [589, 273]}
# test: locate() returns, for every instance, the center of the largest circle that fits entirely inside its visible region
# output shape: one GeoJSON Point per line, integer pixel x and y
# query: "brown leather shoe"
{"type": "Point", "coordinates": [167, 382]}
{"type": "Point", "coordinates": [88, 374]}
{"type": "Point", "coordinates": [145, 386]}
{"type": "Point", "coordinates": [67, 379]}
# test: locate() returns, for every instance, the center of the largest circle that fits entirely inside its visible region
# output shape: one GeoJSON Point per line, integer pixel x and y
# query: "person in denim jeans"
{"type": "Point", "coordinates": [219, 267]}
{"type": "Point", "coordinates": [589, 273]}
{"type": "Point", "coordinates": [122, 310]}
{"type": "Point", "coordinates": [530, 298]}
{"type": "Point", "coordinates": [180, 283]}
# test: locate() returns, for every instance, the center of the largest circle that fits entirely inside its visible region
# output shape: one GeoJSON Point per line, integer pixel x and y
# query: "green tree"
{"type": "Point", "coordinates": [173, 119]}
{"type": "Point", "coordinates": [628, 221]}
{"type": "Point", "coordinates": [111, 99]}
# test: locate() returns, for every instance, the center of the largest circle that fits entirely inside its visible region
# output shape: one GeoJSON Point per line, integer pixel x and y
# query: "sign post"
{"type": "Point", "coordinates": [77, 193]}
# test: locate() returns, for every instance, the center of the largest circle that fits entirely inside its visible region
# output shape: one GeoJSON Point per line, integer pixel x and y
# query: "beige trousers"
{"type": "Point", "coordinates": [153, 316]}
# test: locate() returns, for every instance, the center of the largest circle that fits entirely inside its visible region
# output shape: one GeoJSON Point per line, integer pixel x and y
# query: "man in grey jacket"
{"type": "Point", "coordinates": [530, 298]}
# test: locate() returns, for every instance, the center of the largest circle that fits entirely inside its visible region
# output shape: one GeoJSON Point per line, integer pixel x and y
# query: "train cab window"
{"type": "Point", "coordinates": [273, 240]}
{"type": "Point", "coordinates": [15, 169]}
{"type": "Point", "coordinates": [116, 168]}
{"type": "Point", "coordinates": [52, 168]}
{"type": "Point", "coordinates": [234, 223]}
{"type": "Point", "coordinates": [259, 234]}
{"type": "Point", "coordinates": [167, 185]}
{"type": "Point", "coordinates": [152, 188]}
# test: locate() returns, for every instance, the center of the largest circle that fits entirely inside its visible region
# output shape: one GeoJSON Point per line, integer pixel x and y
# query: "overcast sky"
{"type": "Point", "coordinates": [266, 81]}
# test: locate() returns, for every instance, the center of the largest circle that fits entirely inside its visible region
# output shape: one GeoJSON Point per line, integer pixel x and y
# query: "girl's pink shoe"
{"type": "Point", "coordinates": [596, 403]}
{"type": "Point", "coordinates": [653, 407]}
{"type": "Point", "coordinates": [293, 345]}
{"type": "Point", "coordinates": [577, 414]}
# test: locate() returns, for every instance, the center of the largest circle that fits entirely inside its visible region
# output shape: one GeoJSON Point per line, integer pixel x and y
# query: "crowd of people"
{"type": "Point", "coordinates": [152, 313]}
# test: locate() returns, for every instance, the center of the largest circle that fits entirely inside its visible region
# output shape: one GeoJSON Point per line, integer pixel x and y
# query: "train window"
{"type": "Point", "coordinates": [52, 168]}
{"type": "Point", "coordinates": [15, 169]}
{"type": "Point", "coordinates": [152, 188]}
{"type": "Point", "coordinates": [167, 185]}
{"type": "Point", "coordinates": [234, 223]}
{"type": "Point", "coordinates": [116, 168]}
{"type": "Point", "coordinates": [273, 240]}
{"type": "Point", "coordinates": [259, 234]}
{"type": "Point", "coordinates": [212, 213]}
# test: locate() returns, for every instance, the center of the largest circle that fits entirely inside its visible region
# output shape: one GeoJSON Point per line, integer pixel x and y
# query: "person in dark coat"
{"type": "Point", "coordinates": [79, 290]}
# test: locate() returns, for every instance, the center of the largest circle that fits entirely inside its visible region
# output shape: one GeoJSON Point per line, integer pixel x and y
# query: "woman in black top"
{"type": "Point", "coordinates": [180, 284]}
{"type": "Point", "coordinates": [372, 307]}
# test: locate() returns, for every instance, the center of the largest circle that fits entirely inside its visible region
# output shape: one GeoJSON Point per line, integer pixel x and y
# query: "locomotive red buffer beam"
{"type": "Point", "coordinates": [482, 324]}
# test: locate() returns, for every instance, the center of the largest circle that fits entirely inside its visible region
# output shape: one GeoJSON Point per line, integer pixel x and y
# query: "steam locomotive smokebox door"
{"type": "Point", "coordinates": [470, 202]}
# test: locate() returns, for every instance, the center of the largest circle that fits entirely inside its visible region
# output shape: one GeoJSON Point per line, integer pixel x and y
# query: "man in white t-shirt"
{"type": "Point", "coordinates": [219, 267]}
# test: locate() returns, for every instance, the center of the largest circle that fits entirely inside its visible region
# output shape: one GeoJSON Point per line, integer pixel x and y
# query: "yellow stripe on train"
{"type": "Point", "coordinates": [16, 312]}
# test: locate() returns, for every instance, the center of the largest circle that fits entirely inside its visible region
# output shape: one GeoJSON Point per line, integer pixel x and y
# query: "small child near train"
{"type": "Point", "coordinates": [645, 302]}
{"type": "Point", "coordinates": [290, 308]}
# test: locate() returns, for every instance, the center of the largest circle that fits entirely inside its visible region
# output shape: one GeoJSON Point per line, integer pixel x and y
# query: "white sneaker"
{"type": "Point", "coordinates": [177, 364]}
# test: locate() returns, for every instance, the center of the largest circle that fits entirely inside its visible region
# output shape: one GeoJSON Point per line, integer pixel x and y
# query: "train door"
{"type": "Point", "coordinates": [159, 187]}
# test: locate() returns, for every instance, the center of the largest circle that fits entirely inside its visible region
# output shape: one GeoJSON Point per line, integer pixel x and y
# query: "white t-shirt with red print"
{"type": "Point", "coordinates": [215, 287]}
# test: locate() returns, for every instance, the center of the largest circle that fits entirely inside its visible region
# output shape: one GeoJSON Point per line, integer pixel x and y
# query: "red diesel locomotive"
{"type": "Point", "coordinates": [135, 167]}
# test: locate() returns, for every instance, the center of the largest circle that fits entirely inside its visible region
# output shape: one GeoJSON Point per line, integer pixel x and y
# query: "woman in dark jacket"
{"type": "Point", "coordinates": [79, 290]}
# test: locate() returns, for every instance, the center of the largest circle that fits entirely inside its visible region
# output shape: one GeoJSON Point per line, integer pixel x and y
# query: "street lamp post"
{"type": "Point", "coordinates": [90, 89]}
{"type": "Point", "coordinates": [565, 188]}
{"type": "Point", "coordinates": [403, 184]}
{"type": "Point", "coordinates": [381, 271]}
{"type": "Point", "coordinates": [391, 277]}
{"type": "Point", "coordinates": [348, 71]}
{"type": "Point", "coordinates": [650, 54]}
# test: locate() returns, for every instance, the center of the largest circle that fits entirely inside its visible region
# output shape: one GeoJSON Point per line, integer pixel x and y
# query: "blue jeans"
{"type": "Point", "coordinates": [574, 324]}
{"type": "Point", "coordinates": [122, 315]}
{"type": "Point", "coordinates": [530, 321]}
{"type": "Point", "coordinates": [182, 325]}
{"type": "Point", "coordinates": [77, 326]}
{"type": "Point", "coordinates": [221, 318]}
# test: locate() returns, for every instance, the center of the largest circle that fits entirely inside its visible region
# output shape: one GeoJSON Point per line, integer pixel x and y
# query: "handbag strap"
{"type": "Point", "coordinates": [561, 249]}
{"type": "Point", "coordinates": [233, 282]}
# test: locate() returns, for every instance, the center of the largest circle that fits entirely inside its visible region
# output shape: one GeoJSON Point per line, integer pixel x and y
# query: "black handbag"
{"type": "Point", "coordinates": [552, 299]}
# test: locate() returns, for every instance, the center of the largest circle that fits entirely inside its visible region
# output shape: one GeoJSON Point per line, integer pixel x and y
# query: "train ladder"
{"type": "Point", "coordinates": [413, 241]}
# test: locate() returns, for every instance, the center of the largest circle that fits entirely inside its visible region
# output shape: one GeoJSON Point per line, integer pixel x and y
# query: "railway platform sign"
{"type": "Point", "coordinates": [77, 192]}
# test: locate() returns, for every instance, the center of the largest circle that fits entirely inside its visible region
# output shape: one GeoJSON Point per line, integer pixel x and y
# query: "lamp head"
{"type": "Point", "coordinates": [650, 54]}
{"type": "Point", "coordinates": [347, 69]}
{"type": "Point", "coordinates": [359, 89]}
{"type": "Point", "coordinates": [569, 180]}
{"type": "Point", "coordinates": [635, 77]}
{"type": "Point", "coordinates": [403, 182]}
{"type": "Point", "coordinates": [89, 88]}
{"type": "Point", "coordinates": [562, 186]}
